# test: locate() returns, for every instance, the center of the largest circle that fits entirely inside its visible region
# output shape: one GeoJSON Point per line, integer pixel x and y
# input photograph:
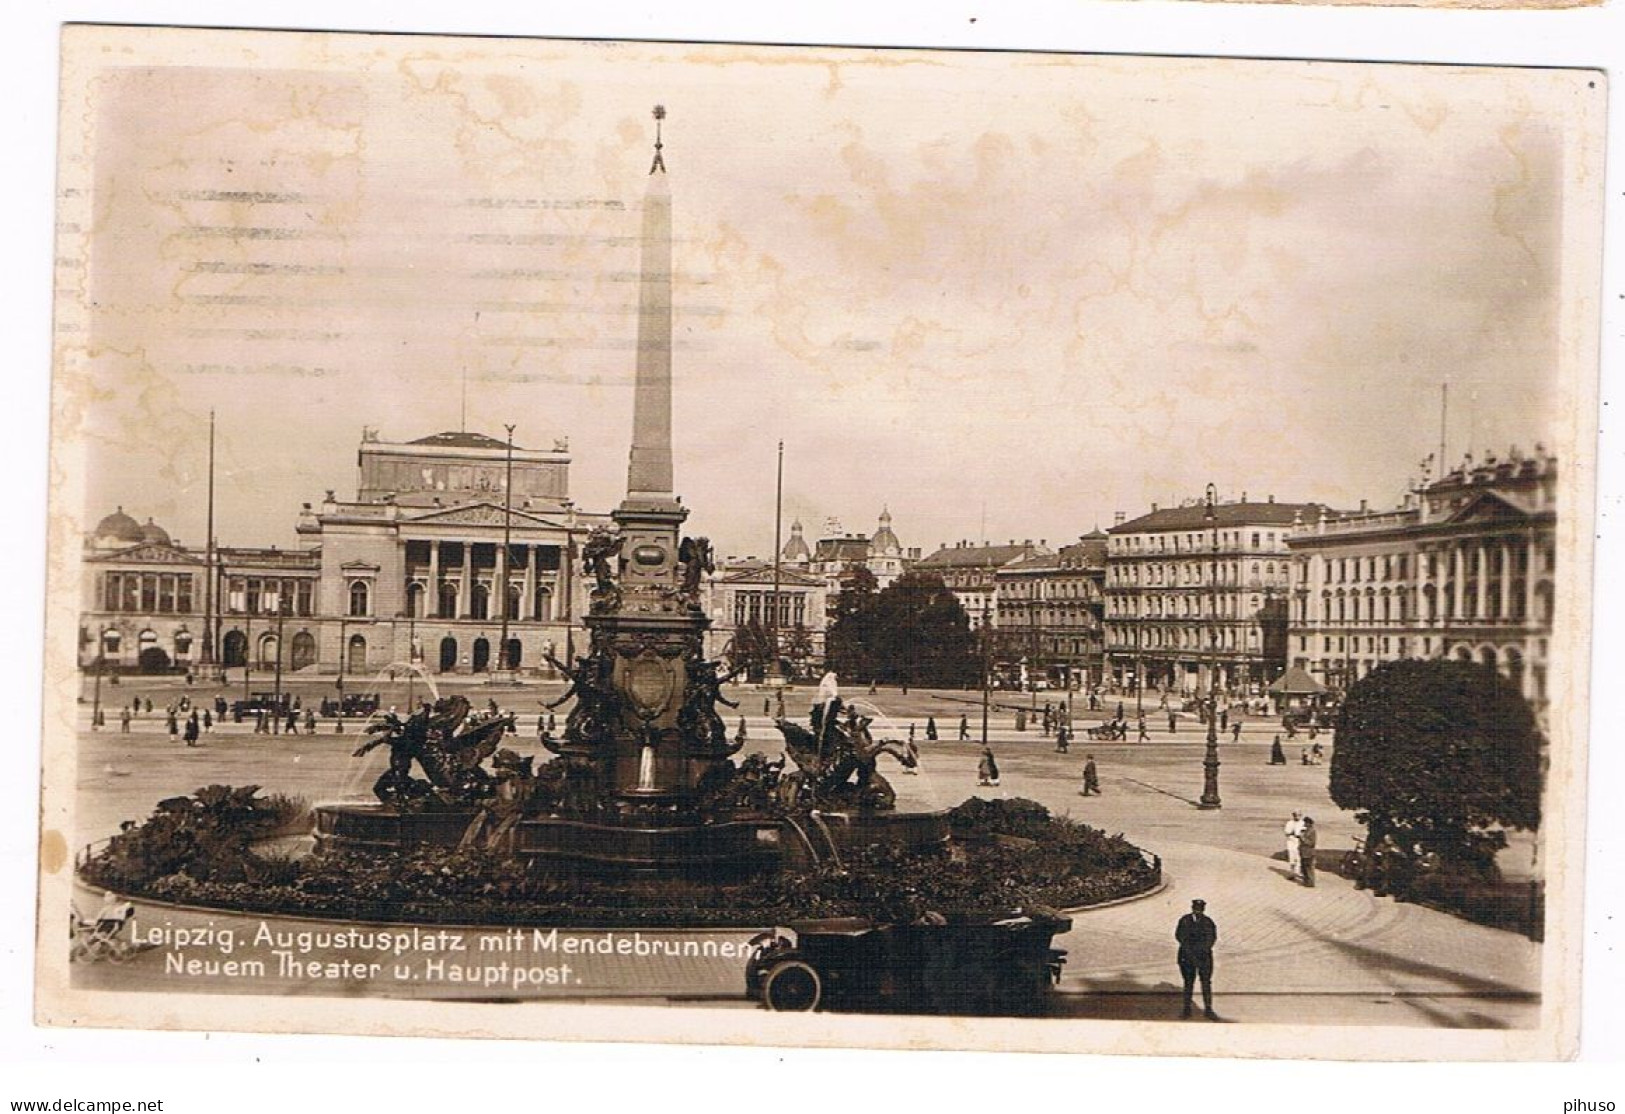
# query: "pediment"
{"type": "Point", "coordinates": [1488, 506]}
{"type": "Point", "coordinates": [148, 554]}
{"type": "Point", "coordinates": [788, 578]}
{"type": "Point", "coordinates": [483, 514]}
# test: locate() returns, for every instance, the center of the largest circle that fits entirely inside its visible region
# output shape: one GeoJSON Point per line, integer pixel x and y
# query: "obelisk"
{"type": "Point", "coordinates": [648, 477]}
{"type": "Point", "coordinates": [653, 633]}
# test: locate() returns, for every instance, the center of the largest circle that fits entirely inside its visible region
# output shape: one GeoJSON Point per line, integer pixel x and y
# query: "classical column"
{"type": "Point", "coordinates": [1458, 586]}
{"type": "Point", "coordinates": [465, 582]}
{"type": "Point", "coordinates": [1505, 587]}
{"type": "Point", "coordinates": [1531, 552]}
{"type": "Point", "coordinates": [527, 593]}
{"type": "Point", "coordinates": [432, 610]}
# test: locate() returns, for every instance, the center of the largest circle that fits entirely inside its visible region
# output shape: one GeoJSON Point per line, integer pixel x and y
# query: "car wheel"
{"type": "Point", "coordinates": [793, 986]}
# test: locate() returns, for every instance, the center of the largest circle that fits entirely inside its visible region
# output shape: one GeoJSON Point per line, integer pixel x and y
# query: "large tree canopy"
{"type": "Point", "coordinates": [914, 632]}
{"type": "Point", "coordinates": [1440, 755]}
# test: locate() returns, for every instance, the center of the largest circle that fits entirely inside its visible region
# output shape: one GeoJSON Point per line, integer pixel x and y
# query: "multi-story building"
{"type": "Point", "coordinates": [413, 570]}
{"type": "Point", "coordinates": [970, 571]}
{"type": "Point", "coordinates": [741, 593]}
{"type": "Point", "coordinates": [1050, 609]}
{"type": "Point", "coordinates": [1199, 588]}
{"type": "Point", "coordinates": [1465, 568]}
{"type": "Point", "coordinates": [147, 601]}
{"type": "Point", "coordinates": [438, 554]}
{"type": "Point", "coordinates": [143, 602]}
{"type": "Point", "coordinates": [838, 554]}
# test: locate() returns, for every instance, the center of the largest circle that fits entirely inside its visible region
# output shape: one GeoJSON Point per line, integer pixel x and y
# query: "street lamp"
{"type": "Point", "coordinates": [279, 604]}
{"type": "Point", "coordinates": [1139, 666]}
{"type": "Point", "coordinates": [507, 555]}
{"type": "Point", "coordinates": [338, 720]}
{"type": "Point", "coordinates": [1210, 759]}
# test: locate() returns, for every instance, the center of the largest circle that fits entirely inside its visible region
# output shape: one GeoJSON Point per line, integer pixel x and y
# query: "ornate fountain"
{"type": "Point", "coordinates": [643, 779]}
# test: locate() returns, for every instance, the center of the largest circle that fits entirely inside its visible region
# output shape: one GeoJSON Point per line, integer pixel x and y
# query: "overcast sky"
{"type": "Point", "coordinates": [1005, 295]}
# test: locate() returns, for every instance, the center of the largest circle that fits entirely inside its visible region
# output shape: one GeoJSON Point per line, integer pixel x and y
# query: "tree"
{"type": "Point", "coordinates": [797, 650]}
{"type": "Point", "coordinates": [1440, 757]}
{"type": "Point", "coordinates": [922, 635]}
{"type": "Point", "coordinates": [849, 643]}
{"type": "Point", "coordinates": [751, 650]}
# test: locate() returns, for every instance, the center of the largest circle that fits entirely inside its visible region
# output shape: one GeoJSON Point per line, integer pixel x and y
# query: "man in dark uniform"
{"type": "Point", "coordinates": [1197, 934]}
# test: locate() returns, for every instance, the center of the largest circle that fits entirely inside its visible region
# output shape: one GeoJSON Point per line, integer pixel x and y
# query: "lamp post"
{"type": "Point", "coordinates": [507, 554]}
{"type": "Point", "coordinates": [338, 720]}
{"type": "Point", "coordinates": [1139, 666]}
{"type": "Point", "coordinates": [1210, 758]}
{"type": "Point", "coordinates": [278, 605]}
{"type": "Point", "coordinates": [96, 697]}
{"type": "Point", "coordinates": [987, 666]}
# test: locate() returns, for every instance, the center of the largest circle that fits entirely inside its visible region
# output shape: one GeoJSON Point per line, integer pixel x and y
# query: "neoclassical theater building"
{"type": "Point", "coordinates": [413, 569]}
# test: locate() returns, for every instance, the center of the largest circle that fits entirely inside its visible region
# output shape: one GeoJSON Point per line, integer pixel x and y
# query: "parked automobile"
{"type": "Point", "coordinates": [270, 702]}
{"type": "Point", "coordinates": [354, 704]}
{"type": "Point", "coordinates": [978, 963]}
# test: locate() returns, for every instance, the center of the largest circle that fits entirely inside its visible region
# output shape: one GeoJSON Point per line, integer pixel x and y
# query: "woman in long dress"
{"type": "Point", "coordinates": [987, 770]}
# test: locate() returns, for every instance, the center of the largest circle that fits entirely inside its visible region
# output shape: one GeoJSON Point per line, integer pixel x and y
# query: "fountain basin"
{"type": "Point", "coordinates": [739, 845]}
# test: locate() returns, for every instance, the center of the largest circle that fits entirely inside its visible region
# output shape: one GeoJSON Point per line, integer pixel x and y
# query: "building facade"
{"type": "Point", "coordinates": [970, 572]}
{"type": "Point", "coordinates": [1050, 611]}
{"type": "Point", "coordinates": [438, 557]}
{"type": "Point", "coordinates": [418, 569]}
{"type": "Point", "coordinates": [741, 594]}
{"type": "Point", "coordinates": [1197, 595]}
{"type": "Point", "coordinates": [1466, 569]}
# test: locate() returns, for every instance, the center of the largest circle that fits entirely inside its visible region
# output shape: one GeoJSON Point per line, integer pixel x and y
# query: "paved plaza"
{"type": "Point", "coordinates": [1286, 954]}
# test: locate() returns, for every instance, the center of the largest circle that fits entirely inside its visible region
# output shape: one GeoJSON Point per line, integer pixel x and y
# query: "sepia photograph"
{"type": "Point", "coordinates": [819, 546]}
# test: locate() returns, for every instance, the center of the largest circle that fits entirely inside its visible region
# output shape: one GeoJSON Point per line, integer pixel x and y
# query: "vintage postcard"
{"type": "Point", "coordinates": [893, 548]}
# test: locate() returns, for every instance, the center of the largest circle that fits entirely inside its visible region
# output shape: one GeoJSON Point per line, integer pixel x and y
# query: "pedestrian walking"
{"type": "Point", "coordinates": [1277, 753]}
{"type": "Point", "coordinates": [930, 729]}
{"type": "Point", "coordinates": [964, 729]}
{"type": "Point", "coordinates": [208, 722]}
{"type": "Point", "coordinates": [1224, 719]}
{"type": "Point", "coordinates": [174, 724]}
{"type": "Point", "coordinates": [1091, 778]}
{"type": "Point", "coordinates": [292, 725]}
{"type": "Point", "coordinates": [191, 730]}
{"type": "Point", "coordinates": [1119, 710]}
{"type": "Point", "coordinates": [1173, 723]}
{"type": "Point", "coordinates": [987, 768]}
{"type": "Point", "coordinates": [1145, 736]}
{"type": "Point", "coordinates": [124, 721]}
{"type": "Point", "coordinates": [911, 734]}
{"type": "Point", "coordinates": [1197, 934]}
{"type": "Point", "coordinates": [1063, 739]}
{"type": "Point", "coordinates": [1293, 830]}
{"type": "Point", "coordinates": [1235, 732]}
{"type": "Point", "coordinates": [310, 721]}
{"type": "Point", "coordinates": [260, 726]}
{"type": "Point", "coordinates": [1306, 850]}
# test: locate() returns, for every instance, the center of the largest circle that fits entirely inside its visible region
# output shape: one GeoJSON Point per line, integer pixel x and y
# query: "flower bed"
{"type": "Point", "coordinates": [1003, 854]}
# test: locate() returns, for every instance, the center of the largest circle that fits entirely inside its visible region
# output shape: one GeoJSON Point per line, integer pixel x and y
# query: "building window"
{"type": "Point", "coordinates": [358, 598]}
